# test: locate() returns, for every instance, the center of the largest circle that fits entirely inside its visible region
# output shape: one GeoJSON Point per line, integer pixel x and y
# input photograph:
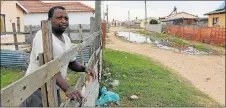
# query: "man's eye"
{"type": "Point", "coordinates": [59, 18]}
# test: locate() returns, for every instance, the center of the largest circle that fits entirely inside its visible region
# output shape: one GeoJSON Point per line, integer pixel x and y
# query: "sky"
{"type": "Point", "coordinates": [118, 10]}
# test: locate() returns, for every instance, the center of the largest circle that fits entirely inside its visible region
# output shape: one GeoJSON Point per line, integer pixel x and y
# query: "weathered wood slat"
{"type": "Point", "coordinates": [74, 51]}
{"type": "Point", "coordinates": [43, 88]}
{"type": "Point", "coordinates": [48, 56]}
{"type": "Point", "coordinates": [44, 73]}
{"type": "Point", "coordinates": [14, 36]}
{"type": "Point", "coordinates": [80, 83]}
{"type": "Point", "coordinates": [11, 33]}
{"type": "Point", "coordinates": [18, 43]}
{"type": "Point", "coordinates": [17, 92]}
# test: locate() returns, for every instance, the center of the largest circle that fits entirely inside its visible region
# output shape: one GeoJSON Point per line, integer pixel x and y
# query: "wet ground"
{"type": "Point", "coordinates": [160, 43]}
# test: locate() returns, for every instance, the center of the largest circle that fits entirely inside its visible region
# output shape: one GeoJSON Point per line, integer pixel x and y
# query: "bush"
{"type": "Point", "coordinates": [153, 21]}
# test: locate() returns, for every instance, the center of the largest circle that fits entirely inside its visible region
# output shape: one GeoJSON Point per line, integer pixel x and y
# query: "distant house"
{"type": "Point", "coordinates": [116, 23]}
{"type": "Point", "coordinates": [11, 12]}
{"type": "Point", "coordinates": [217, 17]}
{"type": "Point", "coordinates": [180, 18]}
{"type": "Point", "coordinates": [78, 12]}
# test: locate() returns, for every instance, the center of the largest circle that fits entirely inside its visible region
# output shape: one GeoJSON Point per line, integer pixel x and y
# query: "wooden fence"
{"type": "Point", "coordinates": [210, 35]}
{"type": "Point", "coordinates": [15, 93]}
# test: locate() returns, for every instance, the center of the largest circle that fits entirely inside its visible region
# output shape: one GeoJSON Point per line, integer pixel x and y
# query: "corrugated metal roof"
{"type": "Point", "coordinates": [216, 12]}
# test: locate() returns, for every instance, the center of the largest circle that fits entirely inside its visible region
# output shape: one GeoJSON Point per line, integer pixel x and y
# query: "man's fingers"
{"type": "Point", "coordinates": [75, 97]}
{"type": "Point", "coordinates": [69, 95]}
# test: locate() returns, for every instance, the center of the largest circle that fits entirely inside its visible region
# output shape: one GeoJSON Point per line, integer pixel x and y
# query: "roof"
{"type": "Point", "coordinates": [216, 12]}
{"type": "Point", "coordinates": [23, 8]}
{"type": "Point", "coordinates": [180, 15]}
{"type": "Point", "coordinates": [41, 7]}
{"type": "Point", "coordinates": [219, 10]}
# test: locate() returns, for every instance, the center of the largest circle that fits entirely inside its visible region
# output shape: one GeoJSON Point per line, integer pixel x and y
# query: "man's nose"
{"type": "Point", "coordinates": [63, 20]}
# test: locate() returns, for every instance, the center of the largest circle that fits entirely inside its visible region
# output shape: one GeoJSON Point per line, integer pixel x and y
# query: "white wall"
{"type": "Point", "coordinates": [74, 18]}
{"type": "Point", "coordinates": [154, 27]}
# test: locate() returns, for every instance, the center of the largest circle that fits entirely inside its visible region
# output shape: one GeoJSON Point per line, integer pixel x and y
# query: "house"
{"type": "Point", "coordinates": [11, 12]}
{"type": "Point", "coordinates": [142, 23]}
{"type": "Point", "coordinates": [217, 17]}
{"type": "Point", "coordinates": [116, 23]}
{"type": "Point", "coordinates": [180, 18]}
{"type": "Point", "coordinates": [78, 12]}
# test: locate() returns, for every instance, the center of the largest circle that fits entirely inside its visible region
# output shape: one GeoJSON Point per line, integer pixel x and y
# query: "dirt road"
{"type": "Point", "coordinates": [207, 73]}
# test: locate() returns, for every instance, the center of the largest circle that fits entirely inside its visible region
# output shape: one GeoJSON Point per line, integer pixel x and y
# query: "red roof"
{"type": "Point", "coordinates": [41, 7]}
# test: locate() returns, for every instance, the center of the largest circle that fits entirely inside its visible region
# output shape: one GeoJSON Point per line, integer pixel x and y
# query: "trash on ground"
{"type": "Point", "coordinates": [133, 97]}
{"type": "Point", "coordinates": [115, 83]}
{"type": "Point", "coordinates": [107, 97]}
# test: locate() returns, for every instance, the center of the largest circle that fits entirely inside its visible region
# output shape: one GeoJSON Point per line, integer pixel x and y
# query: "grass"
{"type": "Point", "coordinates": [10, 75]}
{"type": "Point", "coordinates": [198, 45]}
{"type": "Point", "coordinates": [155, 85]}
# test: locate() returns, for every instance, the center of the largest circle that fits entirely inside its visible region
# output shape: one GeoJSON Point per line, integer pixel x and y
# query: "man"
{"type": "Point", "coordinates": [61, 44]}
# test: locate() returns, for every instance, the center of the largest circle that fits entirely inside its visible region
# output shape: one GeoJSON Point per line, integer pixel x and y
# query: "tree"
{"type": "Point", "coordinates": [153, 21]}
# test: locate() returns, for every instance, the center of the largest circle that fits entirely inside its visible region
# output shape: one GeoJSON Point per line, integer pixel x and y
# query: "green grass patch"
{"type": "Point", "coordinates": [10, 75]}
{"type": "Point", "coordinates": [154, 84]}
{"type": "Point", "coordinates": [72, 77]}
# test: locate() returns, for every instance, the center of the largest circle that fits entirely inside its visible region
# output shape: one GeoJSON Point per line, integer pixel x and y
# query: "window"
{"type": "Point", "coordinates": [215, 20]}
{"type": "Point", "coordinates": [3, 29]}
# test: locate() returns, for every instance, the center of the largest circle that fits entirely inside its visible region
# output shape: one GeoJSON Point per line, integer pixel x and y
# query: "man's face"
{"type": "Point", "coordinates": [60, 20]}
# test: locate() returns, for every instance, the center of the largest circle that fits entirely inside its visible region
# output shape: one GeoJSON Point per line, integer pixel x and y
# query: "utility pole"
{"type": "Point", "coordinates": [129, 18]}
{"type": "Point", "coordinates": [98, 14]}
{"type": "Point", "coordinates": [107, 14]}
{"type": "Point", "coordinates": [107, 20]}
{"type": "Point", "coordinates": [145, 13]}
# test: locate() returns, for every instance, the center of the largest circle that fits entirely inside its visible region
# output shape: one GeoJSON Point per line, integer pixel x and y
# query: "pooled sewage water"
{"type": "Point", "coordinates": [160, 43]}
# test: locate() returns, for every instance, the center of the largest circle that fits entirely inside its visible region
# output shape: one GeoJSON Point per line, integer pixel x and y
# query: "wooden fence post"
{"type": "Point", "coordinates": [81, 52]}
{"type": "Point", "coordinates": [48, 56]}
{"type": "Point", "coordinates": [14, 35]}
{"type": "Point", "coordinates": [43, 88]}
{"type": "Point", "coordinates": [92, 30]}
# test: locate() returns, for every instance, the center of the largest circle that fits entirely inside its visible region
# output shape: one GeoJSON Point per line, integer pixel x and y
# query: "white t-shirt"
{"type": "Point", "coordinates": [59, 48]}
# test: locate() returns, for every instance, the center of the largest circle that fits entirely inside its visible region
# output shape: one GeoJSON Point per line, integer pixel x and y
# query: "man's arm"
{"type": "Point", "coordinates": [76, 66]}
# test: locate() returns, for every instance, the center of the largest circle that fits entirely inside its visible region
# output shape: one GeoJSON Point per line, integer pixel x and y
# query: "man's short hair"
{"type": "Point", "coordinates": [51, 11]}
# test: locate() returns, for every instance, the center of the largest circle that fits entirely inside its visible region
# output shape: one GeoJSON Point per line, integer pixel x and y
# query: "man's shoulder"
{"type": "Point", "coordinates": [67, 37]}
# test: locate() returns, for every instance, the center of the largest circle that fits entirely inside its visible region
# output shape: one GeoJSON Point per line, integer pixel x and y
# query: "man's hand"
{"type": "Point", "coordinates": [91, 72]}
{"type": "Point", "coordinates": [74, 94]}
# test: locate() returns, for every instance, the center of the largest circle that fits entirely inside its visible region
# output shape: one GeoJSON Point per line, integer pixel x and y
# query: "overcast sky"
{"type": "Point", "coordinates": [119, 9]}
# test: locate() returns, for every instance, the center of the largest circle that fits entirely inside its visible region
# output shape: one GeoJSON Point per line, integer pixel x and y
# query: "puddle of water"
{"type": "Point", "coordinates": [134, 37]}
{"type": "Point", "coordinates": [160, 43]}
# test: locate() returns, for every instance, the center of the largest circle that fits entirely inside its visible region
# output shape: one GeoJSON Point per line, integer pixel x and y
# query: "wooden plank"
{"type": "Point", "coordinates": [48, 56]}
{"type": "Point", "coordinates": [81, 52]}
{"type": "Point", "coordinates": [11, 33]}
{"type": "Point", "coordinates": [101, 66]}
{"type": "Point", "coordinates": [18, 24]}
{"type": "Point", "coordinates": [65, 58]}
{"type": "Point", "coordinates": [14, 36]}
{"type": "Point", "coordinates": [80, 83]}
{"type": "Point", "coordinates": [14, 94]}
{"type": "Point", "coordinates": [98, 51]}
{"type": "Point", "coordinates": [18, 43]}
{"type": "Point", "coordinates": [43, 88]}
{"type": "Point", "coordinates": [92, 91]}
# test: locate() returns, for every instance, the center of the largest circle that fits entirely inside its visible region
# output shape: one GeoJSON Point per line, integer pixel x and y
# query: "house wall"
{"type": "Point", "coordinates": [154, 28]}
{"type": "Point", "coordinates": [11, 11]}
{"type": "Point", "coordinates": [74, 18]}
{"type": "Point", "coordinates": [221, 20]}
